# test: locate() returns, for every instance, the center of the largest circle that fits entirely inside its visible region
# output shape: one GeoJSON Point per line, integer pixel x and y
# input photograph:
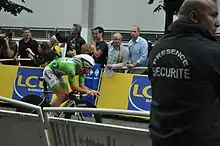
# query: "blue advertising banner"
{"type": "Point", "coordinates": [92, 81]}
{"type": "Point", "coordinates": [140, 94]}
{"type": "Point", "coordinates": [27, 82]}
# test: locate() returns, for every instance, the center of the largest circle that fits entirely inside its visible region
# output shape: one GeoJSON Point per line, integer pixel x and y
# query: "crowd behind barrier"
{"type": "Point", "coordinates": [105, 53]}
{"type": "Point", "coordinates": [51, 131]}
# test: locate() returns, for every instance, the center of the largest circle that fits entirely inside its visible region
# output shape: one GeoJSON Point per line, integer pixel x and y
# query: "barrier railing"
{"type": "Point", "coordinates": [19, 59]}
{"type": "Point", "coordinates": [78, 133]}
{"type": "Point", "coordinates": [72, 132]}
{"type": "Point", "coordinates": [96, 110]}
{"type": "Point", "coordinates": [44, 130]}
{"type": "Point", "coordinates": [21, 128]}
{"type": "Point", "coordinates": [23, 104]}
{"type": "Point", "coordinates": [126, 68]}
{"type": "Point", "coordinates": [28, 59]}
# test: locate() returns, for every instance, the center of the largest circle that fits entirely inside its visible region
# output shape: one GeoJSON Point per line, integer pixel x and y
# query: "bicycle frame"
{"type": "Point", "coordinates": [73, 101]}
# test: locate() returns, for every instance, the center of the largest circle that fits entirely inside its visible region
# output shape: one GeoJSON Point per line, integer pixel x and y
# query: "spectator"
{"type": "Point", "coordinates": [184, 69]}
{"type": "Point", "coordinates": [27, 42]}
{"type": "Point", "coordinates": [86, 49]}
{"type": "Point", "coordinates": [74, 40]}
{"type": "Point", "coordinates": [118, 54]}
{"type": "Point", "coordinates": [8, 48]}
{"type": "Point", "coordinates": [99, 46]}
{"type": "Point", "coordinates": [138, 50]}
{"type": "Point", "coordinates": [46, 55]}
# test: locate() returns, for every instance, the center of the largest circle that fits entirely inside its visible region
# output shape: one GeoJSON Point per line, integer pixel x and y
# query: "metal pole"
{"type": "Point", "coordinates": [99, 85]}
{"type": "Point", "coordinates": [19, 103]}
{"type": "Point", "coordinates": [95, 110]}
{"type": "Point", "coordinates": [22, 59]}
{"type": "Point", "coordinates": [126, 68]}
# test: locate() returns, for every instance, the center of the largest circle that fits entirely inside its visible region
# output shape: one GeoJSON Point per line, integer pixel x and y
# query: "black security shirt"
{"type": "Point", "coordinates": [184, 69]}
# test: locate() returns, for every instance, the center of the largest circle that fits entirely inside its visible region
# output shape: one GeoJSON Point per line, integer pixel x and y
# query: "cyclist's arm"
{"type": "Point", "coordinates": [82, 85]}
{"type": "Point", "coordinates": [85, 87]}
{"type": "Point", "coordinates": [71, 74]}
{"type": "Point", "coordinates": [82, 81]}
{"type": "Point", "coordinates": [74, 87]}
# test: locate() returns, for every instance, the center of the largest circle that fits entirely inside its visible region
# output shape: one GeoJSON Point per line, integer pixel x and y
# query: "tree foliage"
{"type": "Point", "coordinates": [174, 5]}
{"type": "Point", "coordinates": [13, 8]}
{"type": "Point", "coordinates": [171, 7]}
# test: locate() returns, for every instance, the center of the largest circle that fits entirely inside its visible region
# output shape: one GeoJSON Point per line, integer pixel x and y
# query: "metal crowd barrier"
{"type": "Point", "coordinates": [28, 59]}
{"type": "Point", "coordinates": [78, 133]}
{"type": "Point", "coordinates": [126, 68]}
{"type": "Point", "coordinates": [82, 133]}
{"type": "Point", "coordinates": [21, 129]}
{"type": "Point", "coordinates": [96, 110]}
{"type": "Point", "coordinates": [19, 59]}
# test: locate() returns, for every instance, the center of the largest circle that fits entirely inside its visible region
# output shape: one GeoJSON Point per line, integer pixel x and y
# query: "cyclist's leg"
{"type": "Point", "coordinates": [61, 91]}
{"type": "Point", "coordinates": [56, 86]}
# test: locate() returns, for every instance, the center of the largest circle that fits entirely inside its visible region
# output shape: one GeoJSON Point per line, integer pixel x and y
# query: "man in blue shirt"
{"type": "Point", "coordinates": [138, 51]}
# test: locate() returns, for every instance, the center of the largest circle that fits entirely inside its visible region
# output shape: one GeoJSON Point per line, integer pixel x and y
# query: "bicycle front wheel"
{"type": "Point", "coordinates": [87, 104]}
{"type": "Point", "coordinates": [32, 99]}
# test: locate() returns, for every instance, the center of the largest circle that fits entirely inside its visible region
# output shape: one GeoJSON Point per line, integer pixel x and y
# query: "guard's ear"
{"type": "Point", "coordinates": [194, 16]}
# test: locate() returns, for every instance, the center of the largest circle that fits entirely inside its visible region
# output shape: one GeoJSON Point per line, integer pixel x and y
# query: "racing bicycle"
{"type": "Point", "coordinates": [73, 101]}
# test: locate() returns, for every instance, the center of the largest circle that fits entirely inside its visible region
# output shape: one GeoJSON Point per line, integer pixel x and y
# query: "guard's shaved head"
{"type": "Point", "coordinates": [203, 12]}
{"type": "Point", "coordinates": [193, 5]}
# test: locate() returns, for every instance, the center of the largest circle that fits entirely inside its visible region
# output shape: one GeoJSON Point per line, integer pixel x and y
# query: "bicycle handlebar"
{"type": "Point", "coordinates": [77, 94]}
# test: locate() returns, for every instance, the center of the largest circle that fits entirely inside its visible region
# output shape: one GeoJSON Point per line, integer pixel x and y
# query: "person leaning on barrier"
{"type": "Point", "coordinates": [54, 45]}
{"type": "Point", "coordinates": [118, 54]}
{"type": "Point", "coordinates": [184, 69]}
{"type": "Point", "coordinates": [46, 55]}
{"type": "Point", "coordinates": [138, 50]}
{"type": "Point", "coordinates": [27, 42]}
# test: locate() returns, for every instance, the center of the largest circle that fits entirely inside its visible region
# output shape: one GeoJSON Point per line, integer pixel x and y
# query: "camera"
{"type": "Point", "coordinates": [4, 35]}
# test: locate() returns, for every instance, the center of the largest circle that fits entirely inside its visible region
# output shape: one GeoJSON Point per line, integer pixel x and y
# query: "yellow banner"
{"type": "Point", "coordinates": [125, 91]}
{"type": "Point", "coordinates": [114, 91]}
{"type": "Point", "coordinates": [8, 75]}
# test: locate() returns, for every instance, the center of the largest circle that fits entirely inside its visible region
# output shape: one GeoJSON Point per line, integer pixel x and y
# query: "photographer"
{"type": "Point", "coordinates": [8, 48]}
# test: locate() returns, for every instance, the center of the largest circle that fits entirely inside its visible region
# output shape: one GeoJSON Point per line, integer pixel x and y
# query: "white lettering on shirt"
{"type": "Point", "coordinates": [171, 72]}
